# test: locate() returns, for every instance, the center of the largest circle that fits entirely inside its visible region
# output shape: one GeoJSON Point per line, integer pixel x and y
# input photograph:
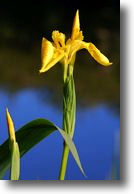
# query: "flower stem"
{"type": "Point", "coordinates": [69, 109]}
{"type": "Point", "coordinates": [64, 162]}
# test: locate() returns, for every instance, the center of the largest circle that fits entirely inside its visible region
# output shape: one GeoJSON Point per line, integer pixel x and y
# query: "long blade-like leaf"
{"type": "Point", "coordinates": [30, 135]}
{"type": "Point", "coordinates": [72, 148]}
{"type": "Point", "coordinates": [15, 162]}
{"type": "Point", "coordinates": [27, 137]}
{"type": "Point", "coordinates": [14, 149]}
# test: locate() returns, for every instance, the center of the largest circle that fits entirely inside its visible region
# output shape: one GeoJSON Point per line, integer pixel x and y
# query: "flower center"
{"type": "Point", "coordinates": [58, 38]}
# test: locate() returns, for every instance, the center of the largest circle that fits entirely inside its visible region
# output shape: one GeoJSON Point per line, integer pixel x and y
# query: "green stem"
{"type": "Point", "coordinates": [64, 162]}
{"type": "Point", "coordinates": [69, 109]}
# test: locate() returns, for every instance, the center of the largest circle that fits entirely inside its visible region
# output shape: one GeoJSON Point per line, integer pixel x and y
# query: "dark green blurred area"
{"type": "Point", "coordinates": [24, 23]}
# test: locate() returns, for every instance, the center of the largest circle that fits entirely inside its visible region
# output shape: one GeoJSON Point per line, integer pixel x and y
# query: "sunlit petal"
{"type": "Point", "coordinates": [76, 33]}
{"type": "Point", "coordinates": [58, 38]}
{"type": "Point", "coordinates": [72, 48]}
{"type": "Point", "coordinates": [47, 52]}
{"type": "Point", "coordinates": [97, 55]}
{"type": "Point", "coordinates": [56, 58]}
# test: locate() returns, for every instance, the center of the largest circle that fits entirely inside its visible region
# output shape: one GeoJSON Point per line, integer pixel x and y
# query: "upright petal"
{"type": "Point", "coordinates": [47, 52]}
{"type": "Point", "coordinates": [76, 34]}
{"type": "Point", "coordinates": [97, 55]}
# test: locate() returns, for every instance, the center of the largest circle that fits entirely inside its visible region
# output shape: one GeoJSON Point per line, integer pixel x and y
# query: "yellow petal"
{"type": "Point", "coordinates": [10, 126]}
{"type": "Point", "coordinates": [47, 52]}
{"type": "Point", "coordinates": [72, 48]}
{"type": "Point", "coordinates": [58, 38]}
{"type": "Point", "coordinates": [97, 55]}
{"type": "Point", "coordinates": [56, 58]}
{"type": "Point", "coordinates": [76, 34]}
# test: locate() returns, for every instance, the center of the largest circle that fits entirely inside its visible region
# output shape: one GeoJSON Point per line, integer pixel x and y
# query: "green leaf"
{"type": "Point", "coordinates": [27, 137]}
{"type": "Point", "coordinates": [72, 148]}
{"type": "Point", "coordinates": [30, 135]}
{"type": "Point", "coordinates": [15, 162]}
{"type": "Point", "coordinates": [14, 149]}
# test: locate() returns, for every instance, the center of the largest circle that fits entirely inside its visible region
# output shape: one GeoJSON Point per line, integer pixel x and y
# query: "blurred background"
{"type": "Point", "coordinates": [29, 95]}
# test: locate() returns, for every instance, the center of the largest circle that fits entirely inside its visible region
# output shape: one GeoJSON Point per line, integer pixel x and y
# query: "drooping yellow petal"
{"type": "Point", "coordinates": [97, 55]}
{"type": "Point", "coordinates": [47, 52]}
{"type": "Point", "coordinates": [10, 124]}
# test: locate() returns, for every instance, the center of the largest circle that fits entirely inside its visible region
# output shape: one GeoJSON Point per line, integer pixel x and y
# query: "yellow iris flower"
{"type": "Point", "coordinates": [59, 51]}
